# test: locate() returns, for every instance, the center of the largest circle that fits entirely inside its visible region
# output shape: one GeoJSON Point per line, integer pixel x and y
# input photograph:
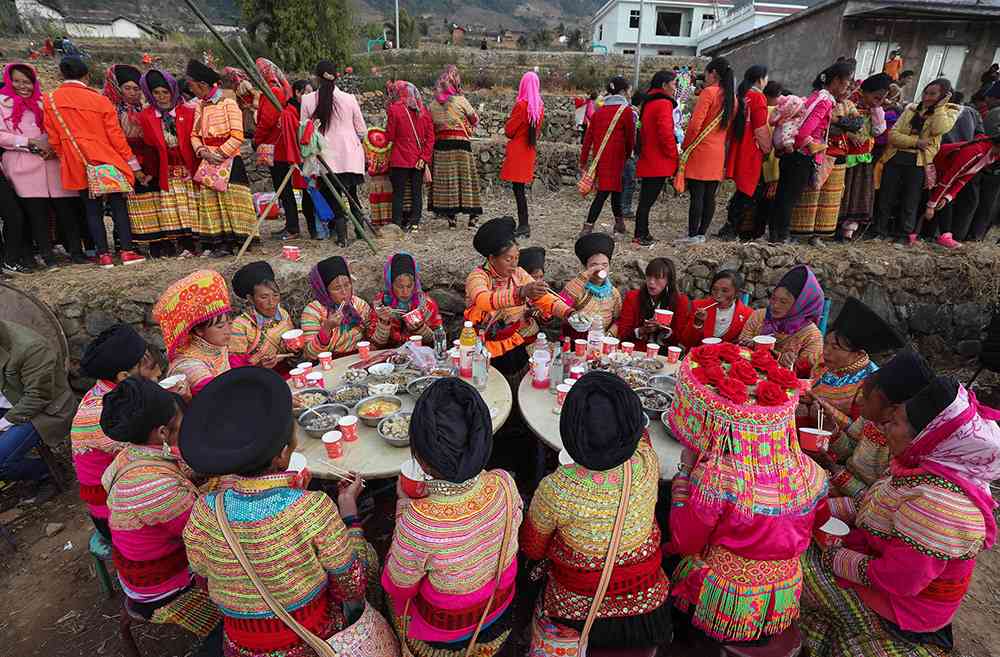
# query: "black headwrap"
{"type": "Point", "coordinates": [237, 423]}
{"type": "Point", "coordinates": [931, 401]}
{"type": "Point", "coordinates": [593, 243]}
{"type": "Point", "coordinates": [906, 374]}
{"type": "Point", "coordinates": [451, 430]}
{"type": "Point", "coordinates": [117, 349]}
{"type": "Point", "coordinates": [402, 263]}
{"type": "Point", "coordinates": [126, 73]}
{"type": "Point", "coordinates": [601, 422]}
{"type": "Point", "coordinates": [201, 73]}
{"type": "Point", "coordinates": [863, 327]}
{"type": "Point", "coordinates": [331, 268]}
{"type": "Point", "coordinates": [250, 275]}
{"type": "Point", "coordinates": [794, 280]}
{"type": "Point", "coordinates": [155, 80]}
{"type": "Point", "coordinates": [134, 408]}
{"type": "Point", "coordinates": [494, 237]}
{"type": "Point", "coordinates": [531, 259]}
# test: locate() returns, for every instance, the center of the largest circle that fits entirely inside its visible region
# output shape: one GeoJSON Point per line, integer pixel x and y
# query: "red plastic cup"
{"type": "Point", "coordinates": [349, 427]}
{"type": "Point", "coordinates": [580, 347]}
{"type": "Point", "coordinates": [413, 318]}
{"type": "Point", "coordinates": [294, 339]}
{"type": "Point", "coordinates": [663, 317]}
{"type": "Point", "coordinates": [456, 356]}
{"type": "Point", "coordinates": [298, 378]}
{"type": "Point", "coordinates": [315, 380]}
{"type": "Point", "coordinates": [609, 344]}
{"type": "Point", "coordinates": [673, 354]}
{"type": "Point", "coordinates": [412, 479]}
{"type": "Point", "coordinates": [628, 348]}
{"type": "Point", "coordinates": [561, 391]}
{"type": "Point", "coordinates": [814, 440]}
{"type": "Point", "coordinates": [832, 533]}
{"type": "Point", "coordinates": [652, 350]}
{"type": "Point", "coordinates": [364, 350]}
{"type": "Point", "coordinates": [333, 444]}
{"type": "Point", "coordinates": [325, 360]}
{"type": "Point", "coordinates": [764, 342]}
{"type": "Point", "coordinates": [576, 372]}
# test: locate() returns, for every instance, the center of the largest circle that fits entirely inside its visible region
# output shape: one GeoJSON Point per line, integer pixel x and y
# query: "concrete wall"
{"type": "Point", "coordinates": [119, 29]}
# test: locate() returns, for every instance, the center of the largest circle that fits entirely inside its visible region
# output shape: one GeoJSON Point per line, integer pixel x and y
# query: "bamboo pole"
{"type": "Point", "coordinates": [263, 215]}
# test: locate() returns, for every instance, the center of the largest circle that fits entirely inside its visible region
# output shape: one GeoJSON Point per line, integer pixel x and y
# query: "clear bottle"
{"type": "Point", "coordinates": [440, 344]}
{"type": "Point", "coordinates": [595, 338]}
{"type": "Point", "coordinates": [557, 367]}
{"type": "Point", "coordinates": [466, 347]}
{"type": "Point", "coordinates": [480, 365]}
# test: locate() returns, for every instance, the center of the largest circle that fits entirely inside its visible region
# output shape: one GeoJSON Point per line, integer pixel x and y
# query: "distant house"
{"type": "Point", "coordinates": [744, 17]}
{"type": "Point", "coordinates": [669, 27]}
{"type": "Point", "coordinates": [95, 24]}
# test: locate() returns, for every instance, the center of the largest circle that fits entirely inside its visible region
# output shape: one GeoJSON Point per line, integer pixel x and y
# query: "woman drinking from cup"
{"type": "Point", "coordinates": [402, 309]}
{"type": "Point", "coordinates": [256, 335]}
{"type": "Point", "coordinates": [591, 293]}
{"type": "Point", "coordinates": [722, 315]}
{"type": "Point", "coordinates": [895, 584]}
{"type": "Point", "coordinates": [791, 318]}
{"type": "Point", "coordinates": [638, 319]}
{"type": "Point", "coordinates": [337, 320]}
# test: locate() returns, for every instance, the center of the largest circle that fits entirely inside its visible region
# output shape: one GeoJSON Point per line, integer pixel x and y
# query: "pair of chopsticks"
{"type": "Point", "coordinates": [342, 474]}
{"type": "Point", "coordinates": [819, 417]}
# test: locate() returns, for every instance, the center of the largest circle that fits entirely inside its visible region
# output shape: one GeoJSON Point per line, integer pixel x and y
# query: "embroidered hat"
{"type": "Point", "coordinates": [194, 299]}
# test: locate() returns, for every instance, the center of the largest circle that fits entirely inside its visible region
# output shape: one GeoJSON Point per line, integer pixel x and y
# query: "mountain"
{"type": "Point", "coordinates": [508, 14]}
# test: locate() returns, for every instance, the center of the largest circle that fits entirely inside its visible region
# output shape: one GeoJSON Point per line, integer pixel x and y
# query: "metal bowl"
{"type": "Point", "coordinates": [441, 371]}
{"type": "Point", "coordinates": [335, 410]}
{"type": "Point", "coordinates": [418, 385]}
{"type": "Point", "coordinates": [373, 421]}
{"type": "Point", "coordinates": [634, 377]}
{"type": "Point", "coordinates": [361, 394]}
{"type": "Point", "coordinates": [395, 442]}
{"type": "Point", "coordinates": [664, 382]}
{"type": "Point", "coordinates": [319, 391]}
{"type": "Point", "coordinates": [654, 413]}
{"type": "Point", "coordinates": [381, 369]}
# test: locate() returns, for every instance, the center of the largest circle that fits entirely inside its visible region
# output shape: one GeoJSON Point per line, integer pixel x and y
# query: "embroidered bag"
{"type": "Point", "coordinates": [215, 176]}
{"type": "Point", "coordinates": [102, 179]}
{"type": "Point", "coordinates": [265, 155]}
{"type": "Point", "coordinates": [586, 182]}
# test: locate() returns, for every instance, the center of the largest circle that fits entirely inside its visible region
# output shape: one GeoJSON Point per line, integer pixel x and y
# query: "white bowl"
{"type": "Point", "coordinates": [382, 369]}
{"type": "Point", "coordinates": [382, 389]}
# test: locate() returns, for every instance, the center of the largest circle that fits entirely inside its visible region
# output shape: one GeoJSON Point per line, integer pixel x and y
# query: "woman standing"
{"type": "Point", "coordinates": [343, 128]}
{"type": "Point", "coordinates": [591, 292]}
{"type": "Point", "coordinates": [610, 137]}
{"type": "Point", "coordinates": [522, 130]}
{"type": "Point", "coordinates": [749, 142]}
{"type": "Point", "coordinates": [337, 320]}
{"type": "Point", "coordinates": [859, 185]}
{"type": "Point", "coordinates": [32, 167]}
{"type": "Point", "coordinates": [658, 293]}
{"type": "Point", "coordinates": [410, 130]}
{"type": "Point", "coordinates": [455, 187]}
{"type": "Point", "coordinates": [226, 214]}
{"type": "Point", "coordinates": [402, 308]}
{"type": "Point", "coordinates": [657, 146]}
{"type": "Point", "coordinates": [276, 141]}
{"type": "Point", "coordinates": [798, 166]}
{"type": "Point", "coordinates": [703, 154]}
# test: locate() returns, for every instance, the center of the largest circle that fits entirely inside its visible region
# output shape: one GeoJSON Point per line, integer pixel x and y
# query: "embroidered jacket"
{"type": "Point", "coordinates": [92, 451]}
{"type": "Point", "coordinates": [255, 338]}
{"type": "Point", "coordinates": [199, 362]}
{"type": "Point", "coordinates": [345, 338]}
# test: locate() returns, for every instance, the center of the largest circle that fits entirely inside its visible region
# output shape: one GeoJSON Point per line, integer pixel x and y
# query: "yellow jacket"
{"type": "Point", "coordinates": [941, 120]}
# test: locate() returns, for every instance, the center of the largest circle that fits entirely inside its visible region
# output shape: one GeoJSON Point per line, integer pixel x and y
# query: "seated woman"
{"type": "Point", "coordinates": [860, 453]}
{"type": "Point", "coordinates": [572, 519]}
{"type": "Point", "coordinates": [323, 555]}
{"type": "Point", "coordinates": [150, 497]}
{"type": "Point", "coordinates": [591, 293]}
{"type": "Point", "coordinates": [895, 584]}
{"type": "Point", "coordinates": [791, 316]}
{"type": "Point", "coordinates": [721, 315]}
{"type": "Point", "coordinates": [453, 559]}
{"type": "Point", "coordinates": [402, 294]}
{"type": "Point", "coordinates": [336, 321]}
{"type": "Point", "coordinates": [256, 333]}
{"type": "Point", "coordinates": [659, 293]}
{"type": "Point", "coordinates": [193, 314]}
{"type": "Point", "coordinates": [498, 295]}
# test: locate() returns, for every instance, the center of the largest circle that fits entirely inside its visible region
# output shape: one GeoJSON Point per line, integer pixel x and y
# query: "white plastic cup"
{"type": "Point", "coordinates": [764, 342]}
{"type": "Point", "coordinates": [325, 360]}
{"type": "Point", "coordinates": [364, 350]}
{"type": "Point", "coordinates": [628, 348]}
{"type": "Point", "coordinates": [349, 427]}
{"type": "Point", "coordinates": [294, 339]}
{"type": "Point", "coordinates": [664, 317]}
{"type": "Point", "coordinates": [565, 458]}
{"type": "Point", "coordinates": [298, 378]}
{"type": "Point", "coordinates": [673, 354]}
{"type": "Point", "coordinates": [315, 380]}
{"type": "Point", "coordinates": [711, 341]}
{"type": "Point", "coordinates": [172, 382]}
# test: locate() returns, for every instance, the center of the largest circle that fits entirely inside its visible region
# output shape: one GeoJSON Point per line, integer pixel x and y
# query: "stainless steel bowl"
{"type": "Point", "coordinates": [635, 377]}
{"type": "Point", "coordinates": [336, 410]}
{"type": "Point", "coordinates": [411, 387]}
{"type": "Point", "coordinates": [654, 413]}
{"type": "Point", "coordinates": [395, 442]}
{"type": "Point", "coordinates": [362, 393]}
{"type": "Point", "coordinates": [373, 421]}
{"type": "Point", "coordinates": [664, 382]}
{"type": "Point", "coordinates": [319, 391]}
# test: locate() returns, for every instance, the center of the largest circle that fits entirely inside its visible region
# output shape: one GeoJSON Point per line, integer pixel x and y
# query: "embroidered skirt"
{"type": "Point", "coordinates": [164, 215]}
{"type": "Point", "coordinates": [193, 610]}
{"type": "Point", "coordinates": [818, 210]}
{"type": "Point", "coordinates": [455, 189]}
{"type": "Point", "coordinates": [380, 200]}
{"type": "Point", "coordinates": [859, 194]}
{"type": "Point", "coordinates": [229, 215]}
{"type": "Point", "coordinates": [490, 641]}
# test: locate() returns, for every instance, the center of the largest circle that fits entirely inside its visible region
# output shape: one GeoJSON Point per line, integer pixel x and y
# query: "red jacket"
{"type": "Point", "coordinates": [403, 136]}
{"type": "Point", "coordinates": [630, 318]}
{"type": "Point", "coordinates": [519, 160]}
{"type": "Point", "coordinates": [619, 148]}
{"type": "Point", "coordinates": [658, 158]}
{"type": "Point", "coordinates": [692, 337]}
{"type": "Point", "coordinates": [956, 164]}
{"type": "Point", "coordinates": [152, 136]}
{"type": "Point", "coordinates": [745, 156]}
{"type": "Point", "coordinates": [279, 129]}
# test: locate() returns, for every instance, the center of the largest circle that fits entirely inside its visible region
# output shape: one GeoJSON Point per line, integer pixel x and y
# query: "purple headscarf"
{"type": "Point", "coordinates": [808, 307]}
{"type": "Point", "coordinates": [155, 78]}
{"type": "Point", "coordinates": [402, 267]}
{"type": "Point", "coordinates": [32, 103]}
{"type": "Point", "coordinates": [320, 276]}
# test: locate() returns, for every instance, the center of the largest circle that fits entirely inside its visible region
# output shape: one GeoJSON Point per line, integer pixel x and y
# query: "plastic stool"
{"type": "Point", "coordinates": [100, 550]}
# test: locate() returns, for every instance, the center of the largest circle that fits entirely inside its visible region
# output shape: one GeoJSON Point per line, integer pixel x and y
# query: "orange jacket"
{"type": "Point", "coordinates": [93, 122]}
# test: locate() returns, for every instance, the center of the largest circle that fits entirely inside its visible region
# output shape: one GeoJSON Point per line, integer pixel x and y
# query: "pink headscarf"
{"type": "Point", "coordinates": [32, 103]}
{"type": "Point", "coordinates": [449, 84]}
{"type": "Point", "coordinates": [529, 91]}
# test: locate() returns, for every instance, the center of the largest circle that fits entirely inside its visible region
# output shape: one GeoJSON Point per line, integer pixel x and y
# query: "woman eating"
{"type": "Point", "coordinates": [895, 584]}
{"type": "Point", "coordinates": [659, 293]}
{"type": "Point", "coordinates": [721, 315]}
{"type": "Point", "coordinates": [455, 186]}
{"type": "Point", "coordinates": [403, 309]}
{"type": "Point", "coordinates": [323, 555]}
{"type": "Point", "coordinates": [450, 570]}
{"type": "Point", "coordinates": [572, 521]}
{"type": "Point", "coordinates": [522, 130]}
{"type": "Point", "coordinates": [591, 292]}
{"type": "Point", "coordinates": [256, 332]}
{"type": "Point", "coordinates": [193, 314]}
{"type": "Point", "coordinates": [150, 496]}
{"type": "Point", "coordinates": [498, 293]}
{"type": "Point", "coordinates": [336, 320]}
{"type": "Point", "coordinates": [791, 317]}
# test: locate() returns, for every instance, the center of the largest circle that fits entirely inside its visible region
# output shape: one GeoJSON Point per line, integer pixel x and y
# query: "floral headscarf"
{"type": "Point", "coordinates": [401, 267]}
{"type": "Point", "coordinates": [274, 76]}
{"type": "Point", "coordinates": [320, 276]}
{"type": "Point", "coordinates": [113, 90]}
{"type": "Point", "coordinates": [32, 103]}
{"type": "Point", "coordinates": [808, 307]}
{"type": "Point", "coordinates": [410, 95]}
{"type": "Point", "coordinates": [529, 91]}
{"type": "Point", "coordinates": [449, 84]}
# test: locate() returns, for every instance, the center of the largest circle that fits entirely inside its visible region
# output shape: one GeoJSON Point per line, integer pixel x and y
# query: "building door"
{"type": "Point", "coordinates": [940, 62]}
{"type": "Point", "coordinates": [871, 57]}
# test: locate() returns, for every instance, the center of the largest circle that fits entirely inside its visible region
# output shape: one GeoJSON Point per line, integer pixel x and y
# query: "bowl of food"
{"type": "Point", "coordinates": [373, 410]}
{"type": "Point", "coordinates": [440, 371]}
{"type": "Point", "coordinates": [355, 375]}
{"type": "Point", "coordinates": [318, 420]}
{"type": "Point", "coordinates": [664, 382]}
{"type": "Point", "coordinates": [349, 395]}
{"type": "Point", "coordinates": [579, 322]}
{"type": "Point", "coordinates": [654, 401]}
{"type": "Point", "coordinates": [309, 398]}
{"type": "Point", "coordinates": [398, 378]}
{"type": "Point", "coordinates": [381, 369]}
{"type": "Point", "coordinates": [395, 429]}
{"type": "Point", "coordinates": [416, 387]}
{"type": "Point", "coordinates": [634, 377]}
{"type": "Point", "coordinates": [648, 364]}
{"type": "Point", "coordinates": [382, 389]}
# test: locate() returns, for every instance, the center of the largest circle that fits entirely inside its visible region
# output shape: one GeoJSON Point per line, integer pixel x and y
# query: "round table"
{"type": "Point", "coordinates": [369, 455]}
{"type": "Point", "coordinates": [536, 407]}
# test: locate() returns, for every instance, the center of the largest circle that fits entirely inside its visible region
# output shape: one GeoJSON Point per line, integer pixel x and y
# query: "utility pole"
{"type": "Point", "coordinates": [638, 45]}
{"type": "Point", "coordinates": [397, 23]}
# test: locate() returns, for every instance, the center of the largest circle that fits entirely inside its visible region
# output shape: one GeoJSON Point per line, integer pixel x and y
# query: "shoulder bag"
{"type": "Point", "coordinates": [549, 639]}
{"type": "Point", "coordinates": [679, 181]}
{"type": "Point", "coordinates": [102, 179]}
{"type": "Point", "coordinates": [428, 178]}
{"type": "Point", "coordinates": [369, 636]}
{"type": "Point", "coordinates": [586, 182]}
{"type": "Point", "coordinates": [213, 176]}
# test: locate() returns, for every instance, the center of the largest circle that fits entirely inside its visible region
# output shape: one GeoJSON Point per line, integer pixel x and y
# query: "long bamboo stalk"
{"type": "Point", "coordinates": [263, 215]}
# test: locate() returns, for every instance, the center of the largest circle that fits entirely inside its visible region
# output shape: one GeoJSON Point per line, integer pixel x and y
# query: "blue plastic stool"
{"type": "Point", "coordinates": [100, 550]}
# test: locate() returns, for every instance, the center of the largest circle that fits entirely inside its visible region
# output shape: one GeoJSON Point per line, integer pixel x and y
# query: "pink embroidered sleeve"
{"type": "Point", "coordinates": [815, 123]}
{"type": "Point", "coordinates": [690, 525]}
{"type": "Point", "coordinates": [900, 570]}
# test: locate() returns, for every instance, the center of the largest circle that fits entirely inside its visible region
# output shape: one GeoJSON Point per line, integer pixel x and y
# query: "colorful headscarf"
{"type": "Point", "coordinates": [530, 91]}
{"type": "Point", "coordinates": [156, 78]}
{"type": "Point", "coordinates": [409, 94]}
{"type": "Point", "coordinates": [397, 265]}
{"type": "Point", "coordinates": [808, 307]}
{"type": "Point", "coordinates": [449, 84]}
{"type": "Point", "coordinates": [194, 299]}
{"type": "Point", "coordinates": [320, 276]}
{"type": "Point", "coordinates": [114, 78]}
{"type": "Point", "coordinates": [274, 76]}
{"type": "Point", "coordinates": [237, 80]}
{"type": "Point", "coordinates": [32, 103]}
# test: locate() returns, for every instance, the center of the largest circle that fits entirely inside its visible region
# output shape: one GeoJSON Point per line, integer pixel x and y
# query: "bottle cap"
{"type": "Point", "coordinates": [468, 325]}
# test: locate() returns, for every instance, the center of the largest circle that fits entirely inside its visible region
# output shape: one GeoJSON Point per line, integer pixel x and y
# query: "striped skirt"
{"type": "Point", "coordinates": [818, 210]}
{"type": "Point", "coordinates": [193, 610]}
{"type": "Point", "coordinates": [859, 194]}
{"type": "Point", "coordinates": [229, 215]}
{"type": "Point", "coordinates": [380, 200]}
{"type": "Point", "coordinates": [836, 623]}
{"type": "Point", "coordinates": [455, 189]}
{"type": "Point", "coordinates": [164, 215]}
{"type": "Point", "coordinates": [491, 639]}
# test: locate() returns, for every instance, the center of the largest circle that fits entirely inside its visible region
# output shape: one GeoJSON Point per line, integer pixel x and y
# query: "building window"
{"type": "Point", "coordinates": [668, 23]}
{"type": "Point", "coordinates": [600, 33]}
{"type": "Point", "coordinates": [665, 52]}
{"type": "Point", "coordinates": [706, 21]}
{"type": "Point", "coordinates": [628, 51]}
{"type": "Point", "coordinates": [633, 19]}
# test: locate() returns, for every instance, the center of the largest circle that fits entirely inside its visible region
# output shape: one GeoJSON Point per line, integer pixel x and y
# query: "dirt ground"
{"type": "Point", "coordinates": [53, 606]}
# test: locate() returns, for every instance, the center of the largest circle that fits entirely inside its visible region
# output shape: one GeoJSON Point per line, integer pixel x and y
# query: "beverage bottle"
{"type": "Point", "coordinates": [541, 342]}
{"type": "Point", "coordinates": [480, 365]}
{"type": "Point", "coordinates": [440, 344]}
{"type": "Point", "coordinates": [557, 367]}
{"type": "Point", "coordinates": [595, 338]}
{"type": "Point", "coordinates": [466, 346]}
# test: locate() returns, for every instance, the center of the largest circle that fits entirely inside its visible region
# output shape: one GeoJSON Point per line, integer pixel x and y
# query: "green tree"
{"type": "Point", "coordinates": [298, 33]}
{"type": "Point", "coordinates": [424, 28]}
{"type": "Point", "coordinates": [407, 29]}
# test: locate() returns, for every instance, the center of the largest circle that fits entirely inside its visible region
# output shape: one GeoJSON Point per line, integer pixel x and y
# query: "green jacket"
{"type": "Point", "coordinates": [34, 380]}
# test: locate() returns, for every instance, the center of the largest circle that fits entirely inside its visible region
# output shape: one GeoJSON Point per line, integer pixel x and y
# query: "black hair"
{"type": "Point", "coordinates": [73, 68]}
{"type": "Point", "coordinates": [839, 71]}
{"type": "Point", "coordinates": [25, 70]}
{"type": "Point", "coordinates": [661, 78]}
{"type": "Point", "coordinates": [906, 74]}
{"type": "Point", "coordinates": [752, 75]}
{"type": "Point", "coordinates": [720, 66]}
{"type": "Point", "coordinates": [920, 117]}
{"type": "Point", "coordinates": [667, 299]}
{"type": "Point", "coordinates": [300, 85]}
{"type": "Point", "coordinates": [266, 468]}
{"type": "Point", "coordinates": [326, 106]}
{"type": "Point", "coordinates": [638, 98]}
{"type": "Point", "coordinates": [773, 89]}
{"type": "Point", "coordinates": [209, 322]}
{"type": "Point", "coordinates": [617, 85]}
{"type": "Point", "coordinates": [877, 82]}
{"type": "Point", "coordinates": [731, 274]}
{"type": "Point", "coordinates": [957, 97]}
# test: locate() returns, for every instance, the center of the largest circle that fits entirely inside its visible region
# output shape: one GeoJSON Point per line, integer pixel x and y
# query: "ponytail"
{"type": "Point", "coordinates": [752, 75]}
{"type": "Point", "coordinates": [720, 66]}
{"type": "Point", "coordinates": [839, 71]}
{"type": "Point", "coordinates": [326, 106]}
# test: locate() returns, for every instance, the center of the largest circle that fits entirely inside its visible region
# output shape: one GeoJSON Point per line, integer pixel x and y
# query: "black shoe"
{"type": "Point", "coordinates": [522, 231]}
{"type": "Point", "coordinates": [285, 236]}
{"type": "Point", "coordinates": [78, 259]}
{"type": "Point", "coordinates": [646, 240]}
{"type": "Point", "coordinates": [341, 242]}
{"type": "Point", "coordinates": [50, 261]}
{"type": "Point", "coordinates": [473, 221]}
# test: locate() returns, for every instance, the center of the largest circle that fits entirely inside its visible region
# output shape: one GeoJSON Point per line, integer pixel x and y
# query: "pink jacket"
{"type": "Point", "coordinates": [31, 176]}
{"type": "Point", "coordinates": [816, 125]}
{"type": "Point", "coordinates": [343, 150]}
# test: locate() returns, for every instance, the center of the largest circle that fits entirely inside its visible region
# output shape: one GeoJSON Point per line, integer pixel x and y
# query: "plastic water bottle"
{"type": "Point", "coordinates": [480, 365]}
{"type": "Point", "coordinates": [540, 344]}
{"type": "Point", "coordinates": [595, 338]}
{"type": "Point", "coordinates": [556, 368]}
{"type": "Point", "coordinates": [466, 347]}
{"type": "Point", "coordinates": [440, 344]}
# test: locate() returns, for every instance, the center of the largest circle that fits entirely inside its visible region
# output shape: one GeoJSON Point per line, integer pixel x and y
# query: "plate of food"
{"type": "Point", "coordinates": [654, 401]}
{"type": "Point", "coordinates": [373, 410]}
{"type": "Point", "coordinates": [395, 429]}
{"type": "Point", "coordinates": [579, 322]}
{"type": "Point", "coordinates": [349, 395]}
{"type": "Point", "coordinates": [634, 377]}
{"type": "Point", "coordinates": [648, 364]}
{"type": "Point", "coordinates": [318, 420]}
{"type": "Point", "coordinates": [309, 398]}
{"type": "Point", "coordinates": [352, 376]}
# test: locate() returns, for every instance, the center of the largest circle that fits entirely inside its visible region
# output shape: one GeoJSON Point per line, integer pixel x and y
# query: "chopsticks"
{"type": "Point", "coordinates": [711, 305]}
{"type": "Point", "coordinates": [819, 417]}
{"type": "Point", "coordinates": [341, 474]}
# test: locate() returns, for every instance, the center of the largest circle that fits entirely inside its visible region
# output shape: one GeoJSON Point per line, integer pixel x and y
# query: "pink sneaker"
{"type": "Point", "coordinates": [911, 239]}
{"type": "Point", "coordinates": [948, 242]}
{"type": "Point", "coordinates": [131, 258]}
{"type": "Point", "coordinates": [104, 261]}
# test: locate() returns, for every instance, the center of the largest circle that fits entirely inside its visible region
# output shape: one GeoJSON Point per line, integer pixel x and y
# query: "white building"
{"type": "Point", "coordinates": [669, 27]}
{"type": "Point", "coordinates": [118, 27]}
{"type": "Point", "coordinates": [742, 18]}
